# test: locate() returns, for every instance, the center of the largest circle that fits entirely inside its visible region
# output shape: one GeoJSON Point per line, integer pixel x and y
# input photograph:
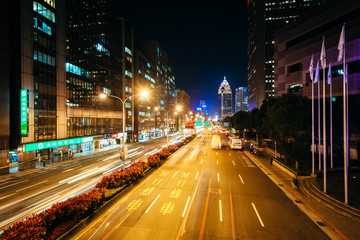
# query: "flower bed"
{"type": "Point", "coordinates": [62, 216]}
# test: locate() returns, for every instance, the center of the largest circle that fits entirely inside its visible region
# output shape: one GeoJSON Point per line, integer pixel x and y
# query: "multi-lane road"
{"type": "Point", "coordinates": [201, 193]}
{"type": "Point", "coordinates": [27, 194]}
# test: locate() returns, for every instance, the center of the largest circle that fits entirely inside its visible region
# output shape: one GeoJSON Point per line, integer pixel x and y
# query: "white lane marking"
{"type": "Point", "coordinates": [217, 162]}
{"type": "Point", "coordinates": [234, 163]}
{"type": "Point", "coordinates": [218, 175]}
{"type": "Point", "coordinates": [153, 151]}
{"type": "Point", "coordinates": [104, 222]}
{"type": "Point", "coordinates": [78, 175]}
{"type": "Point", "coordinates": [185, 160]}
{"type": "Point", "coordinates": [175, 174]}
{"type": "Point", "coordinates": [67, 170]}
{"type": "Point", "coordinates": [230, 154]}
{"type": "Point", "coordinates": [32, 186]}
{"type": "Point", "coordinates": [197, 174]}
{"type": "Point", "coordinates": [221, 218]}
{"type": "Point", "coordinates": [257, 214]}
{"type": "Point", "coordinates": [14, 184]}
{"type": "Point", "coordinates": [241, 179]}
{"type": "Point", "coordinates": [217, 153]}
{"type": "Point", "coordinates": [187, 203]}
{"type": "Point", "coordinates": [23, 199]}
{"type": "Point", "coordinates": [147, 210]}
{"type": "Point", "coordinates": [204, 152]}
{"type": "Point", "coordinates": [202, 161]}
{"type": "Point", "coordinates": [114, 156]}
{"type": "Point", "coordinates": [107, 224]}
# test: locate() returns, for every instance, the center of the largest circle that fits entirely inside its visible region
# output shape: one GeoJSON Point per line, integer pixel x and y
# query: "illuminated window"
{"type": "Point", "coordinates": [127, 73]}
{"type": "Point", "coordinates": [42, 26]}
{"type": "Point", "coordinates": [128, 51]}
{"type": "Point", "coordinates": [44, 58]}
{"type": "Point", "coordinates": [128, 105]}
{"type": "Point", "coordinates": [43, 11]}
{"type": "Point", "coordinates": [50, 2]}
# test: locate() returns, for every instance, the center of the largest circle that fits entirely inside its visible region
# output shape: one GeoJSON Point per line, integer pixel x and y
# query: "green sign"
{"type": "Point", "coordinates": [58, 143]}
{"type": "Point", "coordinates": [199, 123]}
{"type": "Point", "coordinates": [24, 112]}
{"type": "Point", "coordinates": [206, 124]}
{"type": "Point", "coordinates": [12, 152]}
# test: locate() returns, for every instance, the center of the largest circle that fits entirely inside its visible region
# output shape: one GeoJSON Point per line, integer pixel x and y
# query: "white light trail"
{"type": "Point", "coordinates": [147, 210]}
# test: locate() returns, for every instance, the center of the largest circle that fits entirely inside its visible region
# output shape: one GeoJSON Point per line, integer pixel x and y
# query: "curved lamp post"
{"type": "Point", "coordinates": [143, 93]}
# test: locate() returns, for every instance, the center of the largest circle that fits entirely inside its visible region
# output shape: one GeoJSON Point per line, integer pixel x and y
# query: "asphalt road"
{"type": "Point", "coordinates": [22, 196]}
{"type": "Point", "coordinates": [201, 193]}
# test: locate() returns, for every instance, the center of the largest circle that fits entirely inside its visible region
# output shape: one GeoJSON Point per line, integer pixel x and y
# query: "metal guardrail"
{"type": "Point", "coordinates": [286, 167]}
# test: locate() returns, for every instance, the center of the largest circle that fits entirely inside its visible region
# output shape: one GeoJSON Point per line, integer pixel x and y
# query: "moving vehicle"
{"type": "Point", "coordinates": [216, 142]}
{"type": "Point", "coordinates": [236, 143]}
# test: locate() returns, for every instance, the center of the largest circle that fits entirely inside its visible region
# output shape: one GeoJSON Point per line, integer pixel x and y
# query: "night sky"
{"type": "Point", "coordinates": [203, 41]}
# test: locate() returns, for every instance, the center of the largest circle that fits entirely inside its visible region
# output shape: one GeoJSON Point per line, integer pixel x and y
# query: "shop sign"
{"type": "Point", "coordinates": [24, 97]}
{"type": "Point", "coordinates": [58, 143]}
{"type": "Point", "coordinates": [115, 135]}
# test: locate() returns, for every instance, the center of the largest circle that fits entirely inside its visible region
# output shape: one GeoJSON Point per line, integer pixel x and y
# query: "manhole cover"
{"type": "Point", "coordinates": [215, 190]}
{"type": "Point", "coordinates": [321, 224]}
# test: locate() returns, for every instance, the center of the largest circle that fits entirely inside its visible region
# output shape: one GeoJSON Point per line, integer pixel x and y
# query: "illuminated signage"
{"type": "Point", "coordinates": [199, 123]}
{"type": "Point", "coordinates": [226, 124]}
{"type": "Point", "coordinates": [206, 124]}
{"type": "Point", "coordinates": [24, 112]}
{"type": "Point", "coordinates": [189, 124]}
{"type": "Point", "coordinates": [198, 109]}
{"type": "Point", "coordinates": [58, 143]}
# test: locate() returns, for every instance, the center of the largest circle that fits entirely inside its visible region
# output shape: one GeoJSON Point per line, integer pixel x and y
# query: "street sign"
{"type": "Point", "coordinates": [24, 98]}
{"type": "Point", "coordinates": [58, 143]}
{"type": "Point", "coordinates": [206, 124]}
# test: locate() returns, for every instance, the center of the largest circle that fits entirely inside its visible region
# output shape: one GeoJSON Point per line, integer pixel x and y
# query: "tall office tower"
{"type": "Point", "coordinates": [241, 99]}
{"type": "Point", "coordinates": [99, 60]}
{"type": "Point", "coordinates": [165, 83]}
{"type": "Point", "coordinates": [225, 99]}
{"type": "Point", "coordinates": [265, 17]}
{"type": "Point", "coordinates": [146, 125]}
{"type": "Point", "coordinates": [33, 74]}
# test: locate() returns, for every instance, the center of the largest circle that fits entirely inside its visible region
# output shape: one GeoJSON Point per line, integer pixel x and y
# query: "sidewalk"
{"type": "Point", "coordinates": [344, 220]}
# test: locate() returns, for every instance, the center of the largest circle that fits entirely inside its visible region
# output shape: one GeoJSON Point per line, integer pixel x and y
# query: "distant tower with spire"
{"type": "Point", "coordinates": [225, 99]}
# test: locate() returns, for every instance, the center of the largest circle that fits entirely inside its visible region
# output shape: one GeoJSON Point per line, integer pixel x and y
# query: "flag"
{"type": "Point", "coordinates": [341, 44]}
{"type": "Point", "coordinates": [323, 54]}
{"type": "Point", "coordinates": [329, 74]}
{"type": "Point", "coordinates": [317, 73]}
{"type": "Point", "coordinates": [346, 73]}
{"type": "Point", "coordinates": [311, 68]}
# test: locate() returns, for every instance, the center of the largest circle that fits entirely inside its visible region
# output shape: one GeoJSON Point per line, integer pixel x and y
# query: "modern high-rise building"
{"type": "Point", "coordinates": [33, 74]}
{"type": "Point", "coordinates": [241, 99]}
{"type": "Point", "coordinates": [297, 43]}
{"type": "Point", "coordinates": [164, 85]}
{"type": "Point", "coordinates": [100, 51]}
{"type": "Point", "coordinates": [265, 17]}
{"type": "Point", "coordinates": [225, 99]}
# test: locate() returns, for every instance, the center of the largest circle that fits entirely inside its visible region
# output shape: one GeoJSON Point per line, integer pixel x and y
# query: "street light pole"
{"type": "Point", "coordinates": [143, 93]}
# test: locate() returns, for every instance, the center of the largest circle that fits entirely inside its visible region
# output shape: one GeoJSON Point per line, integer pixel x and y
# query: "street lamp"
{"type": "Point", "coordinates": [143, 93]}
{"type": "Point", "coordinates": [167, 123]}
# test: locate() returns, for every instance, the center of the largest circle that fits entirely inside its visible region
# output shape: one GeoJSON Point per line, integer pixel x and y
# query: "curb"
{"type": "Point", "coordinates": [345, 210]}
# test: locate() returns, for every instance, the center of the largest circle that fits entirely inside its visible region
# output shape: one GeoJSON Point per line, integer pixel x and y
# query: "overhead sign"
{"type": "Point", "coordinates": [189, 124]}
{"type": "Point", "coordinates": [226, 124]}
{"type": "Point", "coordinates": [199, 123]}
{"type": "Point", "coordinates": [24, 112]}
{"type": "Point", "coordinates": [206, 124]}
{"type": "Point", "coordinates": [58, 143]}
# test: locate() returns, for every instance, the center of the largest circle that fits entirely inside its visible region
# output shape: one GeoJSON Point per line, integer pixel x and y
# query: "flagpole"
{"type": "Point", "coordinates": [312, 117]}
{"type": "Point", "coordinates": [313, 126]}
{"type": "Point", "coordinates": [331, 125]}
{"type": "Point", "coordinates": [319, 124]}
{"type": "Point", "coordinates": [345, 126]}
{"type": "Point", "coordinates": [323, 63]}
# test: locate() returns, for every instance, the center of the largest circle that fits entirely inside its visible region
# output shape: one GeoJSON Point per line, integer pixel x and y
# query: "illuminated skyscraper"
{"type": "Point", "coordinates": [225, 99]}
{"type": "Point", "coordinates": [241, 99]}
{"type": "Point", "coordinates": [265, 17]}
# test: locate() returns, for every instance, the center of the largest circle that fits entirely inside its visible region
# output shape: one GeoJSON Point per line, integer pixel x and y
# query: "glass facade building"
{"type": "Point", "coordinates": [225, 99]}
{"type": "Point", "coordinates": [265, 17]}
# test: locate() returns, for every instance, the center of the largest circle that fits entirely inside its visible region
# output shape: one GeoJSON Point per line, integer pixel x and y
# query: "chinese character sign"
{"type": "Point", "coordinates": [24, 112]}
